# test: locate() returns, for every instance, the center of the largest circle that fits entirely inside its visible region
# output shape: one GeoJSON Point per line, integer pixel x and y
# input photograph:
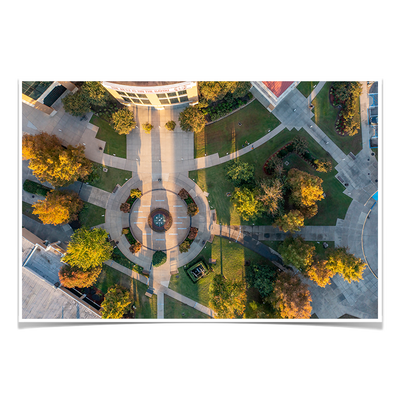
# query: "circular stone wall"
{"type": "Point", "coordinates": [150, 209]}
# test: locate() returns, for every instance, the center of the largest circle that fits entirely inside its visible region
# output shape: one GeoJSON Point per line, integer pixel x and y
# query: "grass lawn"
{"type": "Point", "coordinates": [92, 215]}
{"type": "Point", "coordinates": [306, 87]}
{"type": "Point", "coordinates": [226, 136]}
{"type": "Point", "coordinates": [325, 117]}
{"type": "Point", "coordinates": [119, 257]}
{"type": "Point", "coordinates": [213, 180]}
{"type": "Point", "coordinates": [108, 180]}
{"type": "Point", "coordinates": [174, 309]}
{"type": "Point", "coordinates": [115, 143]}
{"type": "Point", "coordinates": [230, 258]}
{"type": "Point", "coordinates": [145, 307]}
{"type": "Point", "coordinates": [27, 210]}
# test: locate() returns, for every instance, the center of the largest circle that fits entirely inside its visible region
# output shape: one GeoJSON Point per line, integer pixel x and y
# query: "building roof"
{"type": "Point", "coordinates": [146, 84]}
{"type": "Point", "coordinates": [277, 88]}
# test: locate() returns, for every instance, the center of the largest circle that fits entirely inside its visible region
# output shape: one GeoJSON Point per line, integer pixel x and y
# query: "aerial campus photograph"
{"type": "Point", "coordinates": [200, 200]}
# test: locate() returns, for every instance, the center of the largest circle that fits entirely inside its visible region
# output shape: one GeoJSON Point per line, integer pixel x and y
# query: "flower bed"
{"type": "Point", "coordinates": [166, 224]}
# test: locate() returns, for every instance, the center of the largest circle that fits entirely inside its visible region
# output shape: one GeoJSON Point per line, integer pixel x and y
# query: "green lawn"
{"type": "Point", "coordinates": [226, 136]}
{"type": "Point", "coordinates": [119, 257]}
{"type": "Point", "coordinates": [174, 309]}
{"type": "Point", "coordinates": [108, 180]}
{"type": "Point", "coordinates": [145, 307]}
{"type": "Point", "coordinates": [306, 87]}
{"type": "Point", "coordinates": [325, 117]}
{"type": "Point", "coordinates": [92, 215]}
{"type": "Point", "coordinates": [115, 143]}
{"type": "Point", "coordinates": [230, 258]}
{"type": "Point", "coordinates": [213, 180]}
{"type": "Point", "coordinates": [27, 210]}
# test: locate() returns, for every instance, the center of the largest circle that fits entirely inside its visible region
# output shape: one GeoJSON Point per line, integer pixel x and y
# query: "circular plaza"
{"type": "Point", "coordinates": [159, 220]}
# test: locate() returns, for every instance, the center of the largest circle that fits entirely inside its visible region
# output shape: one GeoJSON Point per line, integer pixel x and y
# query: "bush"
{"type": "Point", "coordinates": [192, 233]}
{"type": "Point", "coordinates": [135, 247]}
{"type": "Point", "coordinates": [147, 127]}
{"type": "Point", "coordinates": [170, 125]}
{"type": "Point", "coordinates": [125, 207]}
{"type": "Point", "coordinates": [35, 188]}
{"type": "Point", "coordinates": [159, 258]}
{"type": "Point", "coordinates": [185, 246]}
{"type": "Point", "coordinates": [125, 231]}
{"type": "Point", "coordinates": [192, 209]}
{"type": "Point", "coordinates": [136, 193]}
{"type": "Point", "coordinates": [183, 194]}
{"type": "Point", "coordinates": [123, 121]}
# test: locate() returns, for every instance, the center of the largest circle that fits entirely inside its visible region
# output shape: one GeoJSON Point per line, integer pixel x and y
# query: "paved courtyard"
{"type": "Point", "coordinates": [140, 214]}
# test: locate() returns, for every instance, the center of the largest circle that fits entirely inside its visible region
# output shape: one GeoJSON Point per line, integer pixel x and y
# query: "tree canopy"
{"type": "Point", "coordinates": [213, 91]}
{"type": "Point", "coordinates": [71, 277]}
{"type": "Point", "coordinates": [192, 119]}
{"type": "Point", "coordinates": [95, 92]}
{"type": "Point", "coordinates": [76, 104]}
{"type": "Point", "coordinates": [58, 208]}
{"type": "Point", "coordinates": [292, 221]}
{"type": "Point", "coordinates": [291, 297]}
{"type": "Point", "coordinates": [123, 121]}
{"type": "Point", "coordinates": [270, 194]}
{"type": "Point", "coordinates": [88, 248]}
{"type": "Point", "coordinates": [261, 277]}
{"type": "Point", "coordinates": [319, 273]}
{"type": "Point", "coordinates": [53, 163]}
{"type": "Point", "coordinates": [240, 172]}
{"type": "Point", "coordinates": [227, 297]}
{"type": "Point", "coordinates": [246, 203]}
{"type": "Point", "coordinates": [306, 188]}
{"type": "Point", "coordinates": [297, 252]}
{"type": "Point", "coordinates": [350, 267]}
{"type": "Point", "coordinates": [116, 303]}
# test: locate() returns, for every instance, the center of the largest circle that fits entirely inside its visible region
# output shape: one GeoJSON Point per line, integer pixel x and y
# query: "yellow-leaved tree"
{"type": "Point", "coordinates": [59, 207]}
{"type": "Point", "coordinates": [306, 188]}
{"type": "Point", "coordinates": [53, 163]}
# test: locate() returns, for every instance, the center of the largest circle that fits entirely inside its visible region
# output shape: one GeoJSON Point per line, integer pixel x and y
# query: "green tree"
{"type": "Point", "coordinates": [213, 91]}
{"type": "Point", "coordinates": [170, 125]}
{"type": "Point", "coordinates": [240, 172]}
{"type": "Point", "coordinates": [76, 104]}
{"type": "Point", "coordinates": [261, 277]}
{"type": "Point", "coordinates": [227, 298]}
{"type": "Point", "coordinates": [246, 203]}
{"type": "Point", "coordinates": [88, 248]}
{"type": "Point", "coordinates": [116, 303]}
{"type": "Point", "coordinates": [300, 145]}
{"type": "Point", "coordinates": [350, 267]}
{"type": "Point", "coordinates": [159, 258]}
{"type": "Point", "coordinates": [53, 163]}
{"type": "Point", "coordinates": [58, 208]}
{"type": "Point", "coordinates": [95, 92]}
{"type": "Point", "coordinates": [297, 252]}
{"type": "Point", "coordinates": [123, 121]}
{"type": "Point", "coordinates": [185, 246]}
{"type": "Point", "coordinates": [191, 119]}
{"type": "Point", "coordinates": [292, 221]}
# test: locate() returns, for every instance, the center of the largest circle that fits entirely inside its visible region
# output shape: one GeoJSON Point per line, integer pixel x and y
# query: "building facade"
{"type": "Point", "coordinates": [153, 94]}
{"type": "Point", "coordinates": [43, 94]}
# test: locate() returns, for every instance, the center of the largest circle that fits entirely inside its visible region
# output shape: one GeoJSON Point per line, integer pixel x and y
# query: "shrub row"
{"type": "Point", "coordinates": [226, 106]}
{"type": "Point", "coordinates": [35, 188]}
